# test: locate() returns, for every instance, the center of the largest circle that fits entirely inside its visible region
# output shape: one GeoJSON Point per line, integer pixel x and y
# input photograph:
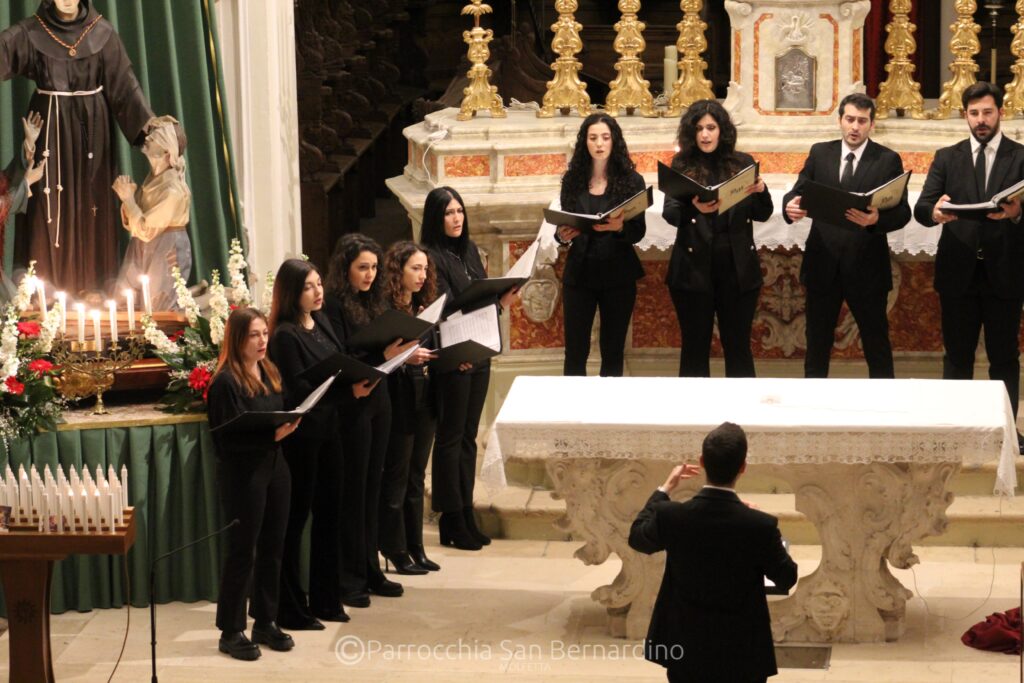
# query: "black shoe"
{"type": "Point", "coordinates": [270, 635]}
{"type": "Point", "coordinates": [404, 565]}
{"type": "Point", "coordinates": [481, 537]}
{"type": "Point", "coordinates": [238, 646]}
{"type": "Point", "coordinates": [421, 559]}
{"type": "Point", "coordinates": [356, 599]}
{"type": "Point", "coordinates": [387, 589]}
{"type": "Point", "coordinates": [452, 526]}
{"type": "Point", "coordinates": [338, 615]}
{"type": "Point", "coordinates": [310, 624]}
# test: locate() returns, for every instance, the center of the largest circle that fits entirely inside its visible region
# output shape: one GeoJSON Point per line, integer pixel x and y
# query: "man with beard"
{"type": "Point", "coordinates": [979, 267]}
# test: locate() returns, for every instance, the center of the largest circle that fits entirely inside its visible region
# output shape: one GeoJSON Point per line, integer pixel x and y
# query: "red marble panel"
{"type": "Point", "coordinates": [467, 166]}
{"type": "Point", "coordinates": [857, 58]}
{"type": "Point", "coordinates": [737, 53]}
{"type": "Point", "coordinates": [647, 162]}
{"type": "Point", "coordinates": [918, 162]}
{"type": "Point", "coordinates": [915, 318]}
{"type": "Point", "coordinates": [535, 164]}
{"type": "Point", "coordinates": [523, 332]}
{"type": "Point", "coordinates": [780, 162]}
{"type": "Point", "coordinates": [654, 319]}
{"type": "Point", "coordinates": [432, 165]}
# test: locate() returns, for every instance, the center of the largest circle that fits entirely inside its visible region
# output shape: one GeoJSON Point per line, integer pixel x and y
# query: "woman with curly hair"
{"type": "Point", "coordinates": [714, 269]}
{"type": "Point", "coordinates": [355, 296]}
{"type": "Point", "coordinates": [602, 267]}
{"type": "Point", "coordinates": [410, 285]}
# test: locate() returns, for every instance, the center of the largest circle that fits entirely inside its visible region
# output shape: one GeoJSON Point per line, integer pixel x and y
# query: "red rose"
{"type": "Point", "coordinates": [233, 307]}
{"type": "Point", "coordinates": [177, 335]}
{"type": "Point", "coordinates": [199, 378]}
{"type": "Point", "coordinates": [40, 366]}
{"type": "Point", "coordinates": [29, 329]}
{"type": "Point", "coordinates": [14, 386]}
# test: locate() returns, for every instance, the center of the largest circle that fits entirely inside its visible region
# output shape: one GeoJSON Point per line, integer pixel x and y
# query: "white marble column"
{"type": "Point", "coordinates": [258, 56]}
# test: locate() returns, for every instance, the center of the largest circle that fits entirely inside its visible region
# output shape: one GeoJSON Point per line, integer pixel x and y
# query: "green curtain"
{"type": "Point", "coordinates": [174, 48]}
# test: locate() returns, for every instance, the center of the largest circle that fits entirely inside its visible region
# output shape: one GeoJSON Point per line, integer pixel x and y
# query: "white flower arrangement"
{"type": "Point", "coordinates": [268, 294]}
{"type": "Point", "coordinates": [155, 336]}
{"type": "Point", "coordinates": [237, 266]}
{"type": "Point", "coordinates": [185, 300]}
{"type": "Point", "coordinates": [23, 297]}
{"type": "Point", "coordinates": [220, 309]}
{"type": "Point", "coordinates": [9, 361]}
{"type": "Point", "coordinates": [48, 330]}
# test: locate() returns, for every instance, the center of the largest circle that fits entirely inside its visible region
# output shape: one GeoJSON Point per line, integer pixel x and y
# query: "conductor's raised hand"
{"type": "Point", "coordinates": [680, 472]}
{"type": "Point", "coordinates": [363, 389]}
{"type": "Point", "coordinates": [705, 207]}
{"type": "Point", "coordinates": [286, 429]}
{"type": "Point", "coordinates": [613, 224]}
{"type": "Point", "coordinates": [794, 211]}
{"type": "Point", "coordinates": [1010, 209]}
{"type": "Point", "coordinates": [941, 216]}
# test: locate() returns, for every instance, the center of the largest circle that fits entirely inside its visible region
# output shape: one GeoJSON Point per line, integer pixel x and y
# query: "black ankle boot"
{"type": "Point", "coordinates": [418, 556]}
{"type": "Point", "coordinates": [453, 530]}
{"type": "Point", "coordinates": [481, 537]}
{"type": "Point", "coordinates": [403, 564]}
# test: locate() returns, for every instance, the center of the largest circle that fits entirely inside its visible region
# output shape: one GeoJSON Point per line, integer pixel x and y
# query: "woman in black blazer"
{"type": "Point", "coordinates": [714, 269]}
{"type": "Point", "coordinates": [602, 267]}
{"type": "Point", "coordinates": [461, 393]}
{"type": "Point", "coordinates": [410, 284]}
{"type": "Point", "coordinates": [354, 298]}
{"type": "Point", "coordinates": [253, 481]}
{"type": "Point", "coordinates": [302, 337]}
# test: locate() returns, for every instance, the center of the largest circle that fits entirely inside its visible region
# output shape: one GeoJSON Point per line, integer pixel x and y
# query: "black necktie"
{"type": "Point", "coordinates": [847, 180]}
{"type": "Point", "coordinates": [979, 171]}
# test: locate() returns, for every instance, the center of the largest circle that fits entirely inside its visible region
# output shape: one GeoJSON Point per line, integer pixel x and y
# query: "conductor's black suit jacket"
{"type": "Point", "coordinates": [858, 256]}
{"type": "Point", "coordinates": [712, 600]}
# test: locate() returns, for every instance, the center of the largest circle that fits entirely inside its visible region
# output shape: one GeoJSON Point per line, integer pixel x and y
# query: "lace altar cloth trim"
{"type": "Point", "coordinates": [771, 234]}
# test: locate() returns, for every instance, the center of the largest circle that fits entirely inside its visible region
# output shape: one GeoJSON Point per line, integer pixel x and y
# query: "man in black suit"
{"type": "Point", "coordinates": [979, 267]}
{"type": "Point", "coordinates": [710, 622]}
{"type": "Point", "coordinates": [843, 262]}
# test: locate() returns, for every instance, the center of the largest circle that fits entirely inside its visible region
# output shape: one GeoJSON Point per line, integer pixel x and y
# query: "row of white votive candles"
{"type": "Point", "coordinates": [79, 503]}
{"type": "Point", "coordinates": [39, 289]}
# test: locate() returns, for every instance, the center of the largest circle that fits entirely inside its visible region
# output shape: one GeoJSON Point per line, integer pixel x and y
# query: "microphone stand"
{"type": "Point", "coordinates": [152, 581]}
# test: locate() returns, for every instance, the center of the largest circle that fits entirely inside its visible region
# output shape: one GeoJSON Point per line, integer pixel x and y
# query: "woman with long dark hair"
{"type": "Point", "coordinates": [461, 393]}
{"type": "Point", "coordinates": [254, 485]}
{"type": "Point", "coordinates": [302, 337]}
{"type": "Point", "coordinates": [714, 269]}
{"type": "Point", "coordinates": [355, 296]}
{"type": "Point", "coordinates": [410, 284]}
{"type": "Point", "coordinates": [602, 267]}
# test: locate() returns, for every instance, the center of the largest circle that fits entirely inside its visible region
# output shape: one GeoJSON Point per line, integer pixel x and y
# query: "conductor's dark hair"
{"type": "Point", "coordinates": [981, 89]}
{"type": "Point", "coordinates": [860, 101]}
{"type": "Point", "coordinates": [724, 451]}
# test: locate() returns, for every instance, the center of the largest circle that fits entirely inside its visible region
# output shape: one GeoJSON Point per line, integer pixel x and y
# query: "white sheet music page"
{"type": "Point", "coordinates": [389, 366]}
{"type": "Point", "coordinates": [480, 326]}
{"type": "Point", "coordinates": [315, 395]}
{"type": "Point", "coordinates": [432, 313]}
{"type": "Point", "coordinates": [524, 266]}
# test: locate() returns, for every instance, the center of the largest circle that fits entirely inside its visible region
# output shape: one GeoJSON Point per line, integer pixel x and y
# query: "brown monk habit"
{"type": "Point", "coordinates": [72, 231]}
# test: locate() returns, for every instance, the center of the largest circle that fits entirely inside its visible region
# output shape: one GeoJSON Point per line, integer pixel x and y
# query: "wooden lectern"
{"type": "Point", "coordinates": [26, 565]}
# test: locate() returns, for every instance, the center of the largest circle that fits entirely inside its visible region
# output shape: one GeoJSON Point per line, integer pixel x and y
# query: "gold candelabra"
{"type": "Point", "coordinates": [691, 85]}
{"type": "Point", "coordinates": [480, 94]}
{"type": "Point", "coordinates": [87, 369]}
{"type": "Point", "coordinates": [1013, 102]}
{"type": "Point", "coordinates": [565, 90]}
{"type": "Point", "coordinates": [629, 90]}
{"type": "Point", "coordinates": [900, 91]}
{"type": "Point", "coordinates": [964, 45]}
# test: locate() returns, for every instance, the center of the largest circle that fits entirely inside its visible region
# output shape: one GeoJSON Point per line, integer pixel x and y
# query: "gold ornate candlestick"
{"type": "Point", "coordinates": [86, 371]}
{"type": "Point", "coordinates": [964, 45]}
{"type": "Point", "coordinates": [565, 90]}
{"type": "Point", "coordinates": [900, 91]}
{"type": "Point", "coordinates": [1013, 103]}
{"type": "Point", "coordinates": [480, 94]}
{"type": "Point", "coordinates": [691, 85]}
{"type": "Point", "coordinates": [629, 90]}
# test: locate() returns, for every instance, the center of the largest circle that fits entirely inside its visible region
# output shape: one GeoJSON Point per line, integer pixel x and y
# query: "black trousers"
{"type": "Point", "coordinates": [963, 317]}
{"type": "Point", "coordinates": [364, 434]}
{"type": "Point", "coordinates": [868, 309]}
{"type": "Point", "coordinates": [401, 496]}
{"type": "Point", "coordinates": [461, 397]}
{"type": "Point", "coordinates": [316, 474]}
{"type": "Point", "coordinates": [579, 305]}
{"type": "Point", "coordinates": [255, 492]}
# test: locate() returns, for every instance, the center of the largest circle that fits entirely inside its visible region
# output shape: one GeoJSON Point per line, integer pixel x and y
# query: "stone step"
{"type": "Point", "coordinates": [520, 512]}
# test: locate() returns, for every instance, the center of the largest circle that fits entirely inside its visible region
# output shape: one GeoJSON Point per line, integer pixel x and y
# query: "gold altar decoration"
{"type": "Point", "coordinates": [480, 94]}
{"type": "Point", "coordinates": [964, 45]}
{"type": "Point", "coordinates": [900, 91]}
{"type": "Point", "coordinates": [629, 90]}
{"type": "Point", "coordinates": [565, 90]}
{"type": "Point", "coordinates": [86, 370]}
{"type": "Point", "coordinates": [1013, 102]}
{"type": "Point", "coordinates": [691, 85]}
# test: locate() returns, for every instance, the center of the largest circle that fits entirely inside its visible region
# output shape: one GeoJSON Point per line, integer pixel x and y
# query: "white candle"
{"type": "Point", "coordinates": [62, 299]}
{"type": "Point", "coordinates": [80, 509]}
{"type": "Point", "coordinates": [112, 308]}
{"type": "Point", "coordinates": [71, 509]}
{"type": "Point", "coordinates": [44, 514]}
{"type": "Point", "coordinates": [124, 486]}
{"type": "Point", "coordinates": [41, 291]}
{"type": "Point", "coordinates": [129, 299]}
{"type": "Point", "coordinates": [111, 519]}
{"type": "Point", "coordinates": [671, 66]}
{"type": "Point", "coordinates": [97, 334]}
{"type": "Point", "coordinates": [94, 510]}
{"type": "Point", "coordinates": [80, 312]}
{"type": "Point", "coordinates": [146, 303]}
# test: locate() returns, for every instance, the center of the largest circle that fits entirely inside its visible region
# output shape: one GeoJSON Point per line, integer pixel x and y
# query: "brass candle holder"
{"type": "Point", "coordinates": [691, 84]}
{"type": "Point", "coordinates": [88, 369]}
{"type": "Point", "coordinates": [964, 45]}
{"type": "Point", "coordinates": [900, 91]}
{"type": "Point", "coordinates": [480, 94]}
{"type": "Point", "coordinates": [1013, 102]}
{"type": "Point", "coordinates": [630, 90]}
{"type": "Point", "coordinates": [566, 90]}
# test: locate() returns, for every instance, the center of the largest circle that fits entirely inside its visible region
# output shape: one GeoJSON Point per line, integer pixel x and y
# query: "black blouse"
{"type": "Point", "coordinates": [226, 401]}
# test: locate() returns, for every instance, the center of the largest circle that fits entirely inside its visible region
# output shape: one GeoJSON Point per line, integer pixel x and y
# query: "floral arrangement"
{"type": "Point", "coordinates": [28, 400]}
{"type": "Point", "coordinates": [191, 355]}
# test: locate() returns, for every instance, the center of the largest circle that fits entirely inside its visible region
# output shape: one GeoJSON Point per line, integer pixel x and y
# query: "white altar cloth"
{"type": "Point", "coordinates": [788, 421]}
